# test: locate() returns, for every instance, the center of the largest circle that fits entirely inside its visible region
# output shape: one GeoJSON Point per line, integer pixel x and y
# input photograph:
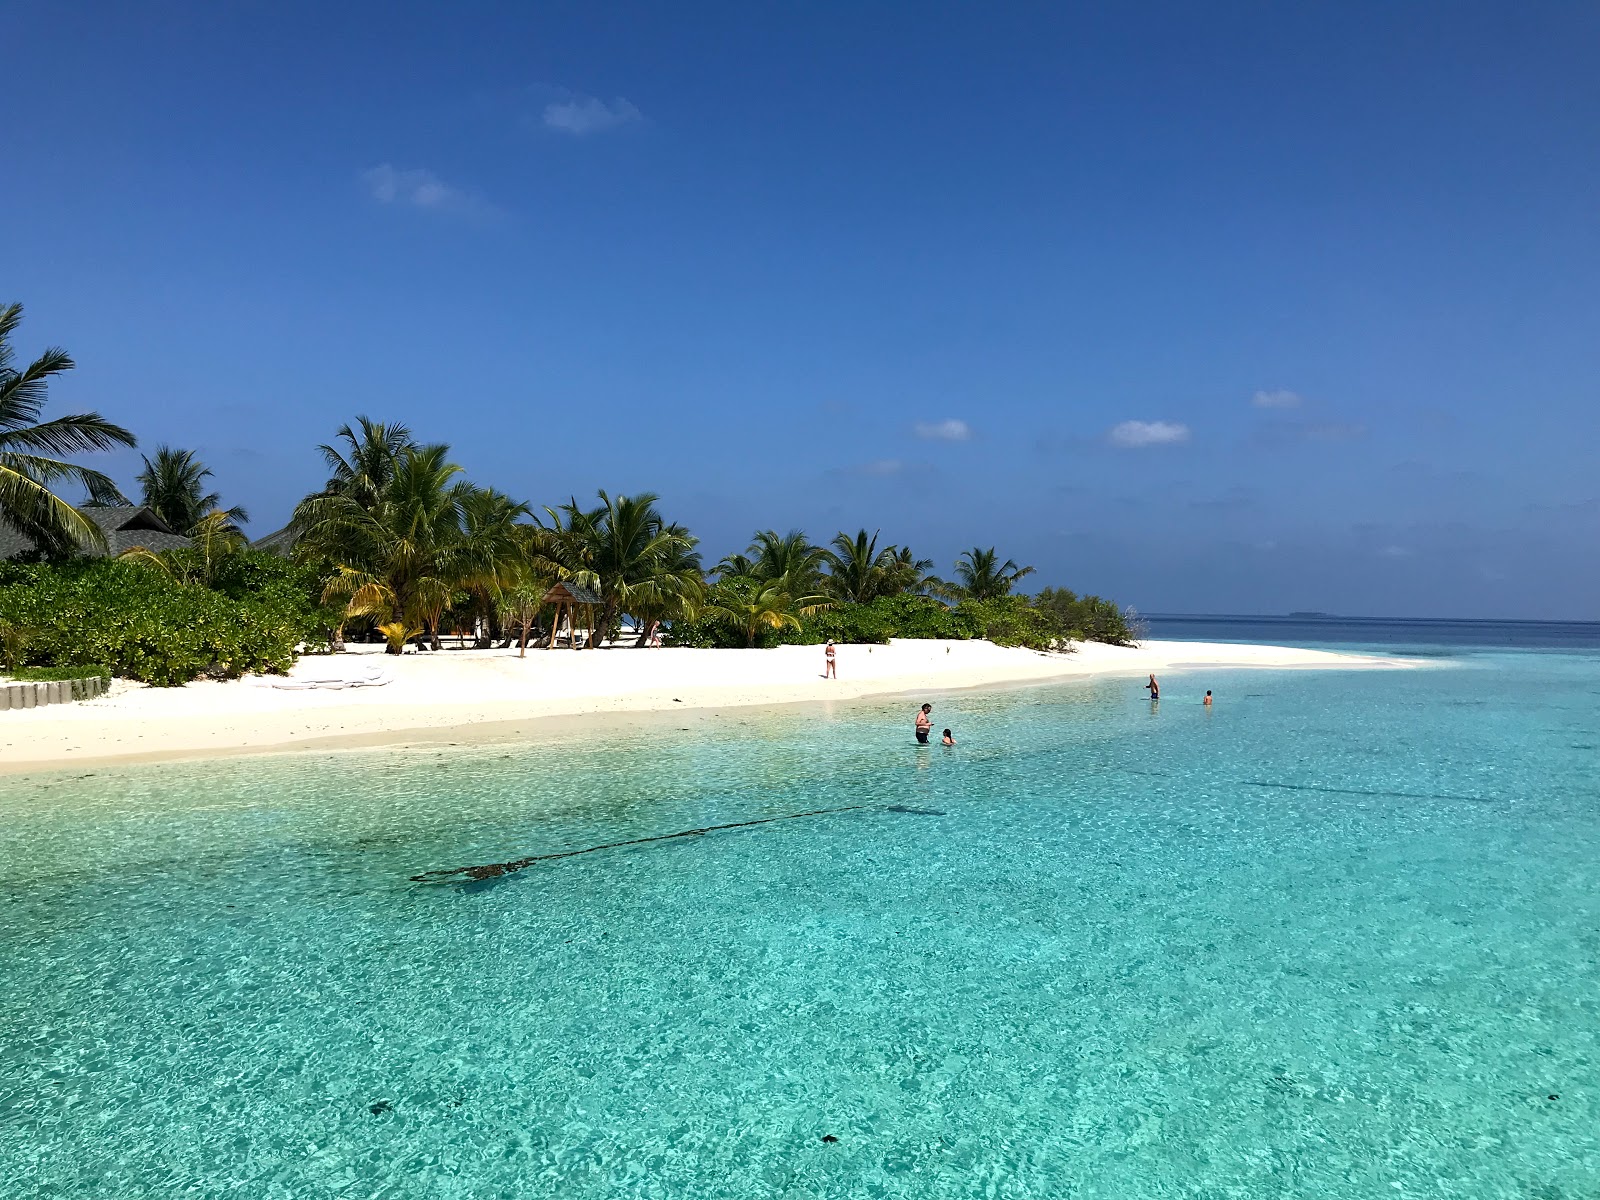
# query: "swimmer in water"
{"type": "Point", "coordinates": [1153, 688]}
{"type": "Point", "coordinates": [1207, 700]}
{"type": "Point", "coordinates": [948, 739]}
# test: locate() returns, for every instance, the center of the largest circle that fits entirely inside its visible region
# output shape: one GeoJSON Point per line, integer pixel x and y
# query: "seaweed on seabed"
{"type": "Point", "coordinates": [489, 871]}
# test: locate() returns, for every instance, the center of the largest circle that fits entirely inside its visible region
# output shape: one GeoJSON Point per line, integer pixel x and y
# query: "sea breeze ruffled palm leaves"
{"type": "Point", "coordinates": [33, 462]}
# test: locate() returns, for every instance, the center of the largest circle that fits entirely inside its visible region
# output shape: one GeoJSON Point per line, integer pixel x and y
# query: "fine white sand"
{"type": "Point", "coordinates": [460, 689]}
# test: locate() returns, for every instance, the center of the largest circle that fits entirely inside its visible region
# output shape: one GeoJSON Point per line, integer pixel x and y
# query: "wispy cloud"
{"type": "Point", "coordinates": [948, 430]}
{"type": "Point", "coordinates": [881, 467]}
{"type": "Point", "coordinates": [1395, 552]}
{"type": "Point", "coordinates": [581, 115]}
{"type": "Point", "coordinates": [878, 468]}
{"type": "Point", "coordinates": [1135, 435]}
{"type": "Point", "coordinates": [422, 189]}
{"type": "Point", "coordinates": [1278, 399]}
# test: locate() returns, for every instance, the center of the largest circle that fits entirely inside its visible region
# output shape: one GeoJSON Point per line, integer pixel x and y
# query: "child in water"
{"type": "Point", "coordinates": [948, 740]}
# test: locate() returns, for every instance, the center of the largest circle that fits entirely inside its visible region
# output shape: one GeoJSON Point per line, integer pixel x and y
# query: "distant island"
{"type": "Point", "coordinates": [1310, 614]}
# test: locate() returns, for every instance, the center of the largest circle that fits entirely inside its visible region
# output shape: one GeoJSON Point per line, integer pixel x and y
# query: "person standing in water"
{"type": "Point", "coordinates": [1207, 700]}
{"type": "Point", "coordinates": [924, 724]}
{"type": "Point", "coordinates": [1153, 688]}
{"type": "Point", "coordinates": [829, 667]}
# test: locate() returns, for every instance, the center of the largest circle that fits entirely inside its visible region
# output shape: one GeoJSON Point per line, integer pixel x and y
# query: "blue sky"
{"type": "Point", "coordinates": [1208, 308]}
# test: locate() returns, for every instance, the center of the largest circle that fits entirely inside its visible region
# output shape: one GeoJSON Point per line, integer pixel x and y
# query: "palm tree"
{"type": "Point", "coordinates": [751, 605]}
{"type": "Point", "coordinates": [853, 567]}
{"type": "Point", "coordinates": [30, 468]}
{"type": "Point", "coordinates": [981, 576]}
{"type": "Point", "coordinates": [212, 542]}
{"type": "Point", "coordinates": [366, 464]}
{"type": "Point", "coordinates": [737, 566]}
{"type": "Point", "coordinates": [173, 486]}
{"type": "Point", "coordinates": [403, 554]}
{"type": "Point", "coordinates": [493, 549]}
{"type": "Point", "coordinates": [681, 562]}
{"type": "Point", "coordinates": [859, 572]}
{"type": "Point", "coordinates": [788, 556]}
{"type": "Point", "coordinates": [905, 572]}
{"type": "Point", "coordinates": [627, 553]}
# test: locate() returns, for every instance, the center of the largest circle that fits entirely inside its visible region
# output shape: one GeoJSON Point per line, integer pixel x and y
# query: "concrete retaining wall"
{"type": "Point", "coordinates": [57, 691]}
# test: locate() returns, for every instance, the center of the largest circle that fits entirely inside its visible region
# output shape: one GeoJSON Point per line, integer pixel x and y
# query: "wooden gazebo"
{"type": "Point", "coordinates": [569, 598]}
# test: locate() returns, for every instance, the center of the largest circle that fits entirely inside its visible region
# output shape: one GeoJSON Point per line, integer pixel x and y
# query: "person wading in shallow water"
{"type": "Point", "coordinates": [1153, 688]}
{"type": "Point", "coordinates": [924, 724]}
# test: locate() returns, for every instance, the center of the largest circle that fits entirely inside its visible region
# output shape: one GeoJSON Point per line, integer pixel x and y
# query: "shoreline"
{"type": "Point", "coordinates": [492, 695]}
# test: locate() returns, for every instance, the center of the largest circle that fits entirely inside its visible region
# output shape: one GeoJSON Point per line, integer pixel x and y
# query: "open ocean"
{"type": "Point", "coordinates": [1338, 936]}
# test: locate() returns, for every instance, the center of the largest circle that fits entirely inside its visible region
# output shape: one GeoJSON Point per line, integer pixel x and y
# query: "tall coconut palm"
{"type": "Point", "coordinates": [403, 554]}
{"type": "Point", "coordinates": [493, 550]}
{"type": "Point", "coordinates": [751, 605]}
{"type": "Point", "coordinates": [737, 566]}
{"type": "Point", "coordinates": [854, 566]}
{"type": "Point", "coordinates": [680, 562]}
{"type": "Point", "coordinates": [627, 553]}
{"type": "Point", "coordinates": [787, 556]}
{"type": "Point", "coordinates": [365, 464]}
{"type": "Point", "coordinates": [905, 572]}
{"type": "Point", "coordinates": [173, 486]}
{"type": "Point", "coordinates": [980, 575]}
{"type": "Point", "coordinates": [31, 466]}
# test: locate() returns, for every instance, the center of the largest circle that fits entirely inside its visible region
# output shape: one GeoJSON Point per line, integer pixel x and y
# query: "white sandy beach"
{"type": "Point", "coordinates": [463, 689]}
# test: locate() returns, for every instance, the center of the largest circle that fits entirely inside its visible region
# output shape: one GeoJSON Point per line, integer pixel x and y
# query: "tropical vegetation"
{"type": "Point", "coordinates": [172, 485]}
{"type": "Point", "coordinates": [398, 545]}
{"type": "Point", "coordinates": [35, 455]}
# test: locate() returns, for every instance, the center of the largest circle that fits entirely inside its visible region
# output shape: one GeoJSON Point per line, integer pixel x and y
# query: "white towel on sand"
{"type": "Point", "coordinates": [352, 676]}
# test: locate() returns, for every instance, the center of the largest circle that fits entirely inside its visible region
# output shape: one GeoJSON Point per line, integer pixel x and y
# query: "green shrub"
{"type": "Point", "coordinates": [874, 623]}
{"type": "Point", "coordinates": [144, 624]}
{"type": "Point", "coordinates": [1051, 621]}
{"type": "Point", "coordinates": [1014, 621]}
{"type": "Point", "coordinates": [47, 674]}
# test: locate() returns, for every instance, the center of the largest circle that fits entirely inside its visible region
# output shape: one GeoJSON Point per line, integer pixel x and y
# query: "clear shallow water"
{"type": "Point", "coordinates": [1337, 935]}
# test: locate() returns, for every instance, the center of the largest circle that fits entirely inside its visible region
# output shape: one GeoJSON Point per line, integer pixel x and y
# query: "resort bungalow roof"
{"type": "Point", "coordinates": [280, 542]}
{"type": "Point", "coordinates": [124, 526]}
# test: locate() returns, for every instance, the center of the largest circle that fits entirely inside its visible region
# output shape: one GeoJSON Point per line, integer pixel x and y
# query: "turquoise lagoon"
{"type": "Point", "coordinates": [1336, 937]}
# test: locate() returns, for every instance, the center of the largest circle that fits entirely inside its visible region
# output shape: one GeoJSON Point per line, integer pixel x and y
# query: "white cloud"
{"type": "Point", "coordinates": [948, 430]}
{"type": "Point", "coordinates": [1277, 400]}
{"type": "Point", "coordinates": [580, 115]}
{"type": "Point", "coordinates": [1395, 552]}
{"type": "Point", "coordinates": [882, 466]}
{"type": "Point", "coordinates": [418, 188]}
{"type": "Point", "coordinates": [1133, 435]}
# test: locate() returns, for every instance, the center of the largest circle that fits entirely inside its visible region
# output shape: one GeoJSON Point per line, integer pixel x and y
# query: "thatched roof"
{"type": "Point", "coordinates": [571, 593]}
{"type": "Point", "coordinates": [281, 542]}
{"type": "Point", "coordinates": [125, 526]}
